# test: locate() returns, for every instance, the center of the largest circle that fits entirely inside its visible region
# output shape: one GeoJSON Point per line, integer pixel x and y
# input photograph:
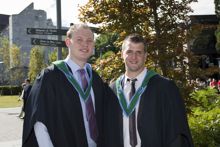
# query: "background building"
{"type": "Point", "coordinates": [204, 41]}
{"type": "Point", "coordinates": [15, 27]}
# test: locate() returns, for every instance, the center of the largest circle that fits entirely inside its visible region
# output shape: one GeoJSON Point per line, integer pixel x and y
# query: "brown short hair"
{"type": "Point", "coordinates": [135, 38]}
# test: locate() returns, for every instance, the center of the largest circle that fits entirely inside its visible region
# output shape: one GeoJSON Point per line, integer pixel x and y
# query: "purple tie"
{"type": "Point", "coordinates": [132, 124]}
{"type": "Point", "coordinates": [90, 113]}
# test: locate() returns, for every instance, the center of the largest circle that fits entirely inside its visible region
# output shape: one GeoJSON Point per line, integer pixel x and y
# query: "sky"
{"type": "Point", "coordinates": [70, 10]}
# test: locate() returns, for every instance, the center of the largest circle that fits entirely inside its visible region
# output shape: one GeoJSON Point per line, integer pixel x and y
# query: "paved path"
{"type": "Point", "coordinates": [10, 127]}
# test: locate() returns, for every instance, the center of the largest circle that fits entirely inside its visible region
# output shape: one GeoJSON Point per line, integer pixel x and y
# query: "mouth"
{"type": "Point", "coordinates": [133, 62]}
{"type": "Point", "coordinates": [84, 50]}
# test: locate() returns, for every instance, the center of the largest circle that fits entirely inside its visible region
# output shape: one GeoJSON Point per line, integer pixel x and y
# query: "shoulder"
{"type": "Point", "coordinates": [161, 81]}
{"type": "Point", "coordinates": [96, 75]}
{"type": "Point", "coordinates": [50, 70]}
{"type": "Point", "coordinates": [48, 73]}
{"type": "Point", "coordinates": [112, 84]}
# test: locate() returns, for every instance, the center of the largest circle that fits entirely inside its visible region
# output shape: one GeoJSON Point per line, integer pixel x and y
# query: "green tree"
{"type": "Point", "coordinates": [37, 62]}
{"type": "Point", "coordinates": [106, 42]}
{"type": "Point", "coordinates": [204, 119]}
{"type": "Point", "coordinates": [109, 67]}
{"type": "Point", "coordinates": [4, 51]}
{"type": "Point", "coordinates": [15, 56]}
{"type": "Point", "coordinates": [53, 55]}
{"type": "Point", "coordinates": [16, 70]}
{"type": "Point", "coordinates": [161, 22]}
{"type": "Point", "coordinates": [13, 72]}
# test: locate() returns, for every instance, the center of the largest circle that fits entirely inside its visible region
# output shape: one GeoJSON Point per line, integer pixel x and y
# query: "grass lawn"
{"type": "Point", "coordinates": [9, 101]}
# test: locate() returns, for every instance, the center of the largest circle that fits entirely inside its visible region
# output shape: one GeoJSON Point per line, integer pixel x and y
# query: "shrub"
{"type": "Point", "coordinates": [204, 120]}
{"type": "Point", "coordinates": [10, 90]}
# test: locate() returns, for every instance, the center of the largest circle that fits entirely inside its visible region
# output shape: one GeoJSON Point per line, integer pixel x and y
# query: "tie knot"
{"type": "Point", "coordinates": [81, 71]}
{"type": "Point", "coordinates": [132, 80]}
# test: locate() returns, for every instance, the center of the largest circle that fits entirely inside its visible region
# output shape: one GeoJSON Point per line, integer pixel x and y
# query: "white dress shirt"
{"type": "Point", "coordinates": [40, 129]}
{"type": "Point", "coordinates": [126, 89]}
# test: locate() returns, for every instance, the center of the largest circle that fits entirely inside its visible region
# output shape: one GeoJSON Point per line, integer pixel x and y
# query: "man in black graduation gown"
{"type": "Point", "coordinates": [57, 109]}
{"type": "Point", "coordinates": [27, 89]}
{"type": "Point", "coordinates": [152, 112]}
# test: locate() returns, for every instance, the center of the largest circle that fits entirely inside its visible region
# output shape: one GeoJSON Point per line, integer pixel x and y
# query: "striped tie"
{"type": "Point", "coordinates": [90, 113]}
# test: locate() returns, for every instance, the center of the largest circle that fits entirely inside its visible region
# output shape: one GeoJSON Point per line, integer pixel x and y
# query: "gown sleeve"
{"type": "Point", "coordinates": [176, 124]}
{"type": "Point", "coordinates": [32, 110]}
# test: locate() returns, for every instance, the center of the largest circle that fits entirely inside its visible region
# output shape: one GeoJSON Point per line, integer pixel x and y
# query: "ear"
{"type": "Point", "coordinates": [68, 42]}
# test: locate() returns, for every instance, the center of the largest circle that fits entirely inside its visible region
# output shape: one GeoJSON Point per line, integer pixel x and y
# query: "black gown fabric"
{"type": "Point", "coordinates": [27, 90]}
{"type": "Point", "coordinates": [54, 102]}
{"type": "Point", "coordinates": [161, 120]}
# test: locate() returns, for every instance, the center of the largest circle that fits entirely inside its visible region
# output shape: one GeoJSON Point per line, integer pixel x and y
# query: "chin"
{"type": "Point", "coordinates": [84, 55]}
{"type": "Point", "coordinates": [133, 69]}
{"type": "Point", "coordinates": [84, 58]}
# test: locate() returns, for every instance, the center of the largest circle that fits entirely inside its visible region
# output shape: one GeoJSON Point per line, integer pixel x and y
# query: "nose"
{"type": "Point", "coordinates": [134, 55]}
{"type": "Point", "coordinates": [84, 44]}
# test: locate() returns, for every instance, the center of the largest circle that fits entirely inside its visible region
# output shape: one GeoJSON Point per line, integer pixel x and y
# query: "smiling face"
{"type": "Point", "coordinates": [134, 56]}
{"type": "Point", "coordinates": [81, 45]}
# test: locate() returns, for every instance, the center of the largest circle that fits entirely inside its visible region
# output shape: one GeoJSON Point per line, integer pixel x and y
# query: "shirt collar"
{"type": "Point", "coordinates": [139, 77]}
{"type": "Point", "coordinates": [74, 67]}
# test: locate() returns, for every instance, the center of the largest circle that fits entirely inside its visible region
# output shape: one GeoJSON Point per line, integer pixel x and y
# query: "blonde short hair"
{"type": "Point", "coordinates": [76, 27]}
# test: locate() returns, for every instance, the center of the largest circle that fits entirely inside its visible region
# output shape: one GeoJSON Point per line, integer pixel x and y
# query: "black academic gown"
{"type": "Point", "coordinates": [161, 120]}
{"type": "Point", "coordinates": [54, 102]}
{"type": "Point", "coordinates": [27, 90]}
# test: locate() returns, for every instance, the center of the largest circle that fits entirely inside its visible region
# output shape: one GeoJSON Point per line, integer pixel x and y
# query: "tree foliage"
{"type": "Point", "coordinates": [15, 56]}
{"type": "Point", "coordinates": [106, 42]}
{"type": "Point", "coordinates": [4, 51]}
{"type": "Point", "coordinates": [13, 72]}
{"type": "Point", "coordinates": [109, 67]}
{"type": "Point", "coordinates": [17, 72]}
{"type": "Point", "coordinates": [204, 120]}
{"type": "Point", "coordinates": [53, 55]}
{"type": "Point", "coordinates": [161, 22]}
{"type": "Point", "coordinates": [37, 62]}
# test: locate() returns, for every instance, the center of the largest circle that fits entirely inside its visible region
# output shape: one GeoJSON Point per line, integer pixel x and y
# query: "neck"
{"type": "Point", "coordinates": [133, 74]}
{"type": "Point", "coordinates": [80, 63]}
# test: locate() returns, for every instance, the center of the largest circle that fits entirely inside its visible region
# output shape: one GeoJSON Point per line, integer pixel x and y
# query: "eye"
{"type": "Point", "coordinates": [79, 40]}
{"type": "Point", "coordinates": [129, 52]}
{"type": "Point", "coordinates": [139, 53]}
